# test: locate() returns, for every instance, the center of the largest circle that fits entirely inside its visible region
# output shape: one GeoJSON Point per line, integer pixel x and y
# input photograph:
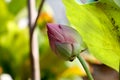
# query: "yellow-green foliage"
{"type": "Point", "coordinates": [99, 25]}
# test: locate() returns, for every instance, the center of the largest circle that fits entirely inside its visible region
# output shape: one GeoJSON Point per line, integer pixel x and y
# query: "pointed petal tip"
{"type": "Point", "coordinates": [51, 26]}
{"type": "Point", "coordinates": [48, 25]}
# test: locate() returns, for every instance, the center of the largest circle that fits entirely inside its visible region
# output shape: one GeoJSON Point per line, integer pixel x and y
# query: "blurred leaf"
{"type": "Point", "coordinates": [14, 42]}
{"type": "Point", "coordinates": [16, 5]}
{"type": "Point", "coordinates": [98, 23]}
{"type": "Point", "coordinates": [4, 17]}
{"type": "Point", "coordinates": [6, 60]}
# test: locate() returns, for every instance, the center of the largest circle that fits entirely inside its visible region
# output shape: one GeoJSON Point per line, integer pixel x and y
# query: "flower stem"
{"type": "Point", "coordinates": [119, 69]}
{"type": "Point", "coordinates": [85, 67]}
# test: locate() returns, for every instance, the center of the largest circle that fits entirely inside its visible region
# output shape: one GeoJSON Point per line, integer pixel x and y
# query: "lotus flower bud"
{"type": "Point", "coordinates": [64, 41]}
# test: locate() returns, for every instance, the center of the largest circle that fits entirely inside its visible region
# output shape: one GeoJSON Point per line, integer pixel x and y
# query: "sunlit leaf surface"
{"type": "Point", "coordinates": [99, 25]}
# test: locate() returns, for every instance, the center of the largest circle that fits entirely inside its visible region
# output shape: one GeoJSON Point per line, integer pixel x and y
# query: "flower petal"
{"type": "Point", "coordinates": [55, 32]}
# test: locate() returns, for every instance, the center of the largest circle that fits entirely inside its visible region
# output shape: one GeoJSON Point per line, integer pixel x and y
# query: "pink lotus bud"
{"type": "Point", "coordinates": [64, 41]}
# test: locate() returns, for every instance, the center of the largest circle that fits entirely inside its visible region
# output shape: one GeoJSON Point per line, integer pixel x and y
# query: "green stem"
{"type": "Point", "coordinates": [119, 69]}
{"type": "Point", "coordinates": [85, 67]}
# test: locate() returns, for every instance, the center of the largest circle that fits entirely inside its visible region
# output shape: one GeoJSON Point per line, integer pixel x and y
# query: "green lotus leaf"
{"type": "Point", "coordinates": [98, 23]}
